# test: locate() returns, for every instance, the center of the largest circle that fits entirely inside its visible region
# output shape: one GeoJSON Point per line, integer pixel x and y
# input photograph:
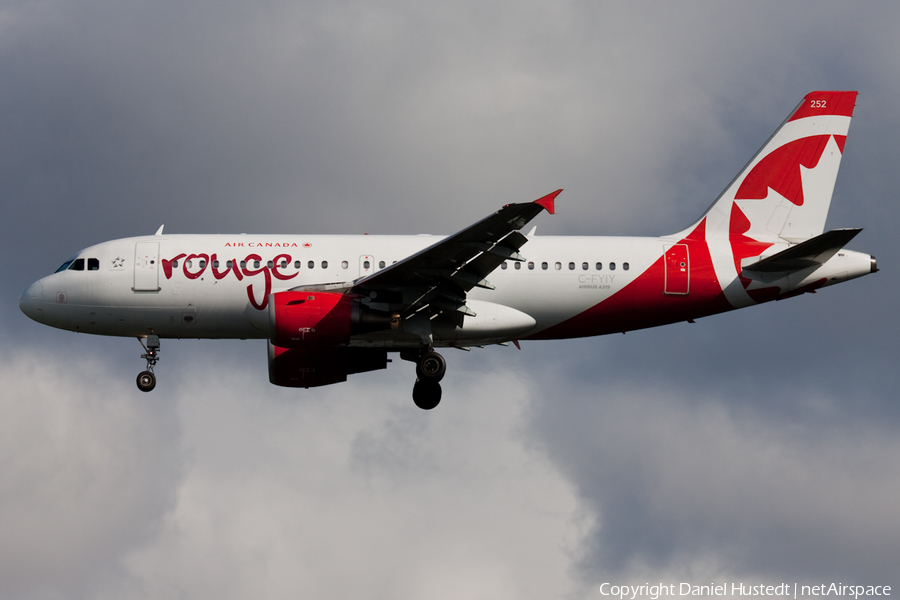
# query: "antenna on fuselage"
{"type": "Point", "coordinates": [159, 231]}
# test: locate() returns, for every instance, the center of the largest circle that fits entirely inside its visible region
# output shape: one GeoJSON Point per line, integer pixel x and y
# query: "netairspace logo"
{"type": "Point", "coordinates": [784, 590]}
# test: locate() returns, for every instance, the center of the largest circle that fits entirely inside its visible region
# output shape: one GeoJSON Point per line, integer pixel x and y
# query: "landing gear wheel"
{"type": "Point", "coordinates": [431, 367]}
{"type": "Point", "coordinates": [426, 394]}
{"type": "Point", "coordinates": [146, 381]}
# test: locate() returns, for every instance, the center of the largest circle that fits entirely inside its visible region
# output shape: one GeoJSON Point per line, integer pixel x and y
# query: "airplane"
{"type": "Point", "coordinates": [331, 306]}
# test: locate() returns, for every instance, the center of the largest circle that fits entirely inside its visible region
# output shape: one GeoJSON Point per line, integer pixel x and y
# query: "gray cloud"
{"type": "Point", "coordinates": [87, 475]}
{"type": "Point", "coordinates": [281, 496]}
{"type": "Point", "coordinates": [679, 483]}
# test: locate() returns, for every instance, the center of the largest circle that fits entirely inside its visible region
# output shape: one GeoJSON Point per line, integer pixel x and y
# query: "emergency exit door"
{"type": "Point", "coordinates": [366, 265]}
{"type": "Point", "coordinates": [146, 267]}
{"type": "Point", "coordinates": [678, 270]}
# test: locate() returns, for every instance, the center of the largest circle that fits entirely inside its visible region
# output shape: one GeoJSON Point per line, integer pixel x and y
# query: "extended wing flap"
{"type": "Point", "coordinates": [811, 253]}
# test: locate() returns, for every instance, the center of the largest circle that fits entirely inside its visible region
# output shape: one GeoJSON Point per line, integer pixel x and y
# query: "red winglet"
{"type": "Point", "coordinates": [547, 201]}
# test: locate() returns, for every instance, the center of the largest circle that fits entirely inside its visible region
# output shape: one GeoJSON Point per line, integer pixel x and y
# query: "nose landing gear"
{"type": "Point", "coordinates": [146, 380]}
{"type": "Point", "coordinates": [430, 369]}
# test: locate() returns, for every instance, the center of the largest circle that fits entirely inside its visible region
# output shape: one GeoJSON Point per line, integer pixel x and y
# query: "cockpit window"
{"type": "Point", "coordinates": [65, 265]}
{"type": "Point", "coordinates": [77, 265]}
{"type": "Point", "coordinates": [93, 264]}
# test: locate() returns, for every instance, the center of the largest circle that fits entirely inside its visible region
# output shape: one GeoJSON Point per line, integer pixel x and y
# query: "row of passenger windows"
{"type": "Point", "coordinates": [558, 266]}
{"type": "Point", "coordinates": [381, 264]}
{"type": "Point", "coordinates": [93, 264]}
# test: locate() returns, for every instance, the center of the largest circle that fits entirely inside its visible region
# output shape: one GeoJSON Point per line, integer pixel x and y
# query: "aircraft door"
{"type": "Point", "coordinates": [366, 265]}
{"type": "Point", "coordinates": [678, 270]}
{"type": "Point", "coordinates": [146, 267]}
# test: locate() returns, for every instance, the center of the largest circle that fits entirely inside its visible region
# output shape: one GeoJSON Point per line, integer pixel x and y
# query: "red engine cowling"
{"type": "Point", "coordinates": [321, 319]}
{"type": "Point", "coordinates": [310, 319]}
{"type": "Point", "coordinates": [307, 367]}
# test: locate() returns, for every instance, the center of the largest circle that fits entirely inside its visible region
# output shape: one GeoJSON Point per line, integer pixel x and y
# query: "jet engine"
{"type": "Point", "coordinates": [321, 319]}
{"type": "Point", "coordinates": [306, 367]}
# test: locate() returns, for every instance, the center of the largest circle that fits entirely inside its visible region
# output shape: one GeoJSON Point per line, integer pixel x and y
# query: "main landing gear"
{"type": "Point", "coordinates": [430, 369]}
{"type": "Point", "coordinates": [146, 380]}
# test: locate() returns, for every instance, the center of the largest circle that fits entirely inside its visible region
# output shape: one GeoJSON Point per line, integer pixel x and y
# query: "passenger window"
{"type": "Point", "coordinates": [270, 264]}
{"type": "Point", "coordinates": [324, 264]}
{"type": "Point", "coordinates": [366, 265]}
{"type": "Point", "coordinates": [571, 266]}
{"type": "Point", "coordinates": [612, 266]}
{"type": "Point", "coordinates": [311, 265]}
{"type": "Point", "coordinates": [243, 264]}
{"type": "Point", "coordinates": [202, 264]}
{"type": "Point", "coordinates": [174, 264]}
{"type": "Point", "coordinates": [380, 264]}
{"type": "Point", "coordinates": [255, 264]}
{"type": "Point", "coordinates": [584, 266]}
{"type": "Point", "coordinates": [544, 266]}
{"type": "Point", "coordinates": [557, 266]}
{"type": "Point", "coordinates": [215, 264]}
{"type": "Point", "coordinates": [518, 266]}
{"type": "Point", "coordinates": [599, 266]}
{"type": "Point", "coordinates": [530, 266]}
{"type": "Point", "coordinates": [503, 266]}
{"type": "Point", "coordinates": [77, 265]}
{"type": "Point", "coordinates": [228, 264]}
{"type": "Point", "coordinates": [283, 264]}
{"type": "Point", "coordinates": [93, 264]}
{"type": "Point", "coordinates": [625, 266]}
{"type": "Point", "coordinates": [188, 264]}
{"type": "Point", "coordinates": [296, 264]}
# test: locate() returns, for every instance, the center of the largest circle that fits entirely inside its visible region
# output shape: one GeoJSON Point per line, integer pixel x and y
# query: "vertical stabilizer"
{"type": "Point", "coordinates": [784, 192]}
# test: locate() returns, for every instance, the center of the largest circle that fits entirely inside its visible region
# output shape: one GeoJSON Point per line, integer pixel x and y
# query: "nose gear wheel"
{"type": "Point", "coordinates": [146, 380]}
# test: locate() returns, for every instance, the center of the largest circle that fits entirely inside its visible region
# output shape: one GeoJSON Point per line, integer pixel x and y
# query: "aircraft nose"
{"type": "Point", "coordinates": [30, 301]}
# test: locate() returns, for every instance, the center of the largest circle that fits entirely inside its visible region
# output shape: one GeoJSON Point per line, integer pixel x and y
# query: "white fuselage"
{"type": "Point", "coordinates": [181, 286]}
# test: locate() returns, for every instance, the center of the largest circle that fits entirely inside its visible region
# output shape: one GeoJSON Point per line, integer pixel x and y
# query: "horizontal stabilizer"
{"type": "Point", "coordinates": [811, 253]}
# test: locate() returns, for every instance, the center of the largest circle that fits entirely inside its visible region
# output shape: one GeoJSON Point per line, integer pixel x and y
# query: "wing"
{"type": "Point", "coordinates": [436, 279]}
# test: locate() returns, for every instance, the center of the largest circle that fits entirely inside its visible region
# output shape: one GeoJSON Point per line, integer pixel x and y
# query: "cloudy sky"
{"type": "Point", "coordinates": [758, 446]}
